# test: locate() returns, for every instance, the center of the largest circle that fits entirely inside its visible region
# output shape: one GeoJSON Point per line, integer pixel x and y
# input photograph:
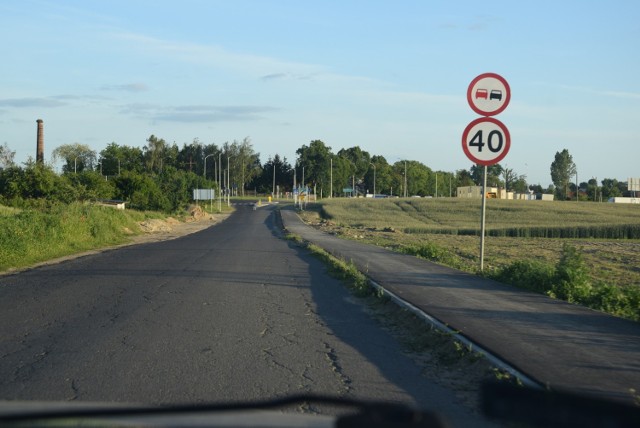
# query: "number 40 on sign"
{"type": "Point", "coordinates": [486, 141]}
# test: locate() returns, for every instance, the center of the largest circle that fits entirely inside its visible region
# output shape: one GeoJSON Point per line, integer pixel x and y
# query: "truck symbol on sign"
{"type": "Point", "coordinates": [496, 94]}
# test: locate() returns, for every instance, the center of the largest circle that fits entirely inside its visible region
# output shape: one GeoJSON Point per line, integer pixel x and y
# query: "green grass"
{"type": "Point", "coordinates": [35, 235]}
{"type": "Point", "coordinates": [343, 270]}
{"type": "Point", "coordinates": [503, 218]}
{"type": "Point", "coordinates": [525, 246]}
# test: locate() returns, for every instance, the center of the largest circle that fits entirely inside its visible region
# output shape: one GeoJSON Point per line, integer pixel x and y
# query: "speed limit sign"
{"type": "Point", "coordinates": [486, 141]}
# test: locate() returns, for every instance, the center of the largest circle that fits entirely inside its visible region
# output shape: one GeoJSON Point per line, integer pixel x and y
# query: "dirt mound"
{"type": "Point", "coordinates": [172, 221]}
{"type": "Point", "coordinates": [155, 225]}
{"type": "Point", "coordinates": [196, 213]}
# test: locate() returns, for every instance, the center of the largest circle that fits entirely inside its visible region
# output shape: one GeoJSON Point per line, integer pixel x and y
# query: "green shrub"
{"type": "Point", "coordinates": [433, 252]}
{"type": "Point", "coordinates": [35, 235]}
{"type": "Point", "coordinates": [569, 280]}
{"type": "Point", "coordinates": [528, 274]}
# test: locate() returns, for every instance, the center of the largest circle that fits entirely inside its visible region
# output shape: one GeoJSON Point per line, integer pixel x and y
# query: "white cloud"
{"type": "Point", "coordinates": [216, 56]}
{"type": "Point", "coordinates": [197, 113]}
{"type": "Point", "coordinates": [127, 87]}
{"type": "Point", "coordinates": [31, 102]}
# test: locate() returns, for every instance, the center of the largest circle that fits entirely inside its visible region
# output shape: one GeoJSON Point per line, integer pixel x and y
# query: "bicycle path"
{"type": "Point", "coordinates": [557, 344]}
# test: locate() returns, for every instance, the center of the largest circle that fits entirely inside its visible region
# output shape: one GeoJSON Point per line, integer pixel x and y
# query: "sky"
{"type": "Point", "coordinates": [388, 76]}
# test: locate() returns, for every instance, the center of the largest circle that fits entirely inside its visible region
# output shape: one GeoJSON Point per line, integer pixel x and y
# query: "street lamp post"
{"type": "Point", "coordinates": [273, 191]}
{"type": "Point", "coordinates": [374, 179]}
{"type": "Point", "coordinates": [204, 173]}
{"type": "Point", "coordinates": [295, 188]}
{"type": "Point", "coordinates": [405, 179]}
{"type": "Point", "coordinates": [228, 182]}
{"type": "Point", "coordinates": [331, 179]}
{"type": "Point", "coordinates": [75, 165]}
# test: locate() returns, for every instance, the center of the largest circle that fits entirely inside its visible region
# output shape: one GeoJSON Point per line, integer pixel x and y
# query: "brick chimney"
{"type": "Point", "coordinates": [40, 142]}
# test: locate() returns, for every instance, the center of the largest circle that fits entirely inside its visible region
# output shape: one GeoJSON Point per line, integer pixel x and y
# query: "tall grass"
{"type": "Point", "coordinates": [35, 235]}
{"type": "Point", "coordinates": [543, 219]}
{"type": "Point", "coordinates": [571, 278]}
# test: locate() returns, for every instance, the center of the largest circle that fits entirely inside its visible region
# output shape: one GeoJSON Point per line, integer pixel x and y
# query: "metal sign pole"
{"type": "Point", "coordinates": [482, 221]}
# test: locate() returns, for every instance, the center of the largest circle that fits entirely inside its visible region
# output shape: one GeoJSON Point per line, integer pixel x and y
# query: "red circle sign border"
{"type": "Point", "coordinates": [507, 141]}
{"type": "Point", "coordinates": [470, 95]}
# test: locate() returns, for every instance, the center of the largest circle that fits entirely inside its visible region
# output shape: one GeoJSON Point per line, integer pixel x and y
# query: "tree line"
{"type": "Point", "coordinates": [160, 176]}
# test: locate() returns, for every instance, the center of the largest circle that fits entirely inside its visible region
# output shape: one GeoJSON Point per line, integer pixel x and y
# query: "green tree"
{"type": "Point", "coordinates": [154, 153]}
{"type": "Point", "coordinates": [562, 170]}
{"type": "Point", "coordinates": [242, 161]}
{"type": "Point", "coordinates": [520, 185]}
{"type": "Point", "coordinates": [514, 182]}
{"type": "Point", "coordinates": [445, 182]}
{"type": "Point", "coordinates": [359, 158]}
{"type": "Point", "coordinates": [248, 162]}
{"type": "Point", "coordinates": [316, 160]}
{"type": "Point", "coordinates": [77, 157]}
{"type": "Point", "coordinates": [464, 178]}
{"type": "Point", "coordinates": [382, 174]}
{"type": "Point", "coordinates": [277, 168]}
{"type": "Point", "coordinates": [211, 151]}
{"type": "Point", "coordinates": [493, 174]}
{"type": "Point", "coordinates": [344, 175]}
{"type": "Point", "coordinates": [34, 181]}
{"type": "Point", "coordinates": [191, 157]}
{"type": "Point", "coordinates": [6, 156]}
{"type": "Point", "coordinates": [90, 185]}
{"type": "Point", "coordinates": [116, 159]}
{"type": "Point", "coordinates": [141, 191]}
{"type": "Point", "coordinates": [612, 188]}
{"type": "Point", "coordinates": [420, 179]}
{"type": "Point", "coordinates": [177, 186]}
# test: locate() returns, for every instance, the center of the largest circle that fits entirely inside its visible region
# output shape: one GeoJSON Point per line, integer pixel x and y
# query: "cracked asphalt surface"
{"type": "Point", "coordinates": [231, 313]}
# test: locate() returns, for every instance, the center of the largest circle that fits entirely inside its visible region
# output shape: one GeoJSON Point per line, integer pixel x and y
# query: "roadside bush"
{"type": "Point", "coordinates": [90, 185]}
{"type": "Point", "coordinates": [34, 235]}
{"type": "Point", "coordinates": [569, 280]}
{"type": "Point", "coordinates": [433, 252]}
{"type": "Point", "coordinates": [141, 191]}
{"type": "Point", "coordinates": [572, 282]}
{"type": "Point", "coordinates": [34, 182]}
{"type": "Point", "coordinates": [528, 274]}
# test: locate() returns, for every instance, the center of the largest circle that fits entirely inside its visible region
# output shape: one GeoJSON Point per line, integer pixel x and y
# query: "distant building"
{"type": "Point", "coordinates": [621, 200]}
{"type": "Point", "coordinates": [498, 193]}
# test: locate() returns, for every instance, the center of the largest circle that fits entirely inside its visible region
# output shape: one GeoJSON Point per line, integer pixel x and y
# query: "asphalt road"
{"type": "Point", "coordinates": [232, 313]}
{"type": "Point", "coordinates": [559, 345]}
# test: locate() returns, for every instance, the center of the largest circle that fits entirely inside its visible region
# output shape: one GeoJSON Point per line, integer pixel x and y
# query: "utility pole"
{"type": "Point", "coordinates": [406, 193]}
{"type": "Point", "coordinates": [331, 179]}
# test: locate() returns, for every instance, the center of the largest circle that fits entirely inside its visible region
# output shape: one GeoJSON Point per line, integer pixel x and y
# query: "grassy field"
{"type": "Point", "coordinates": [33, 235]}
{"type": "Point", "coordinates": [522, 230]}
{"type": "Point", "coordinates": [504, 218]}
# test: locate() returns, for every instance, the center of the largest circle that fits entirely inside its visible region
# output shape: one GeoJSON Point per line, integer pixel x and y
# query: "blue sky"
{"type": "Point", "coordinates": [388, 76]}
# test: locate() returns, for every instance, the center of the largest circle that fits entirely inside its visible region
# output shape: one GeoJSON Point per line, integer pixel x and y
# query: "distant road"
{"type": "Point", "coordinates": [229, 313]}
{"type": "Point", "coordinates": [553, 342]}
